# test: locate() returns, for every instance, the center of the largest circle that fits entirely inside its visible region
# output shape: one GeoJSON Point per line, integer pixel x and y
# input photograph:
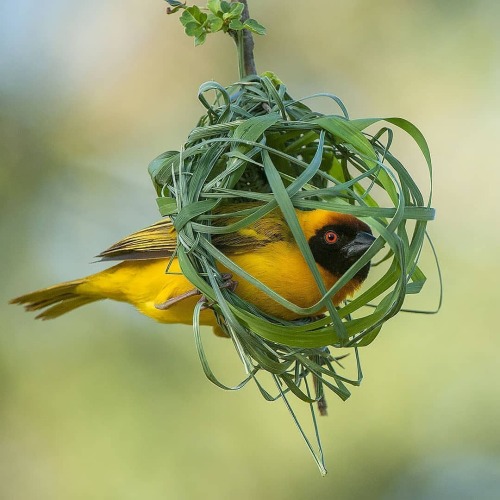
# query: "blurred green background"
{"type": "Point", "coordinates": [106, 404]}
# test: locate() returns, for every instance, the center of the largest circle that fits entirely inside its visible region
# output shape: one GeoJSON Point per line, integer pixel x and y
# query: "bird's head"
{"type": "Point", "coordinates": [337, 241]}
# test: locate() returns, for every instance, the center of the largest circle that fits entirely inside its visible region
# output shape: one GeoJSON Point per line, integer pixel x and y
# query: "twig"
{"type": "Point", "coordinates": [245, 44]}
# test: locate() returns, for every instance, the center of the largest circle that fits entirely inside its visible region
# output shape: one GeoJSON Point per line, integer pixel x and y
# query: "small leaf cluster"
{"type": "Point", "coordinates": [219, 15]}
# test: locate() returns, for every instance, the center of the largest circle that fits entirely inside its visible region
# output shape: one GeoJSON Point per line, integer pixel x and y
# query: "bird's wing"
{"type": "Point", "coordinates": [271, 228]}
{"type": "Point", "coordinates": [159, 241]}
{"type": "Point", "coordinates": [154, 242]}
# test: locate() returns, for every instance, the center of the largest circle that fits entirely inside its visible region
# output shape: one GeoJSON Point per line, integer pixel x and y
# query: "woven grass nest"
{"type": "Point", "coordinates": [257, 143]}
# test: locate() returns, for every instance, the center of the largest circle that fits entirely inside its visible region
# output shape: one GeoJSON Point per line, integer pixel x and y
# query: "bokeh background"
{"type": "Point", "coordinates": [104, 403]}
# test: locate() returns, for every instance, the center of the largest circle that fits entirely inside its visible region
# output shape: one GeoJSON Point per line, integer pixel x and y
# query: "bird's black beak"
{"type": "Point", "coordinates": [359, 245]}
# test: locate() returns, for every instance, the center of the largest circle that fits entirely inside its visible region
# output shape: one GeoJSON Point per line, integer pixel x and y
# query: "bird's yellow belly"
{"type": "Point", "coordinates": [283, 270]}
{"type": "Point", "coordinates": [145, 284]}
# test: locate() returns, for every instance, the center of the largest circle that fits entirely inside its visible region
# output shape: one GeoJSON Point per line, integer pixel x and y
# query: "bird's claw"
{"type": "Point", "coordinates": [227, 282]}
{"type": "Point", "coordinates": [173, 300]}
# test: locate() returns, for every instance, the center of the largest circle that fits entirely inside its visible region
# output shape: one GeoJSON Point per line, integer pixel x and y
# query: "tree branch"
{"type": "Point", "coordinates": [245, 44]}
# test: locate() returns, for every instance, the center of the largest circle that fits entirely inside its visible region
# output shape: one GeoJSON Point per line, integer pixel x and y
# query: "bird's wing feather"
{"type": "Point", "coordinates": [159, 241]}
{"type": "Point", "coordinates": [154, 242]}
{"type": "Point", "coordinates": [269, 229]}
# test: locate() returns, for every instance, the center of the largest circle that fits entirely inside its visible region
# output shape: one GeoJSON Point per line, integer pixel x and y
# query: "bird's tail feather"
{"type": "Point", "coordinates": [58, 299]}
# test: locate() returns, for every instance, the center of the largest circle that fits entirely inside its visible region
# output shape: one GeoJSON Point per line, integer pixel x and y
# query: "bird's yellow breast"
{"type": "Point", "coordinates": [280, 266]}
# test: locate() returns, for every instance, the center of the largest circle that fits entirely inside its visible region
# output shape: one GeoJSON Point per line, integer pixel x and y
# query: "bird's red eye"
{"type": "Point", "coordinates": [331, 237]}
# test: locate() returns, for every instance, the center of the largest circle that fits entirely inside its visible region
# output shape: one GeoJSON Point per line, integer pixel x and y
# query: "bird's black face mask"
{"type": "Point", "coordinates": [337, 247]}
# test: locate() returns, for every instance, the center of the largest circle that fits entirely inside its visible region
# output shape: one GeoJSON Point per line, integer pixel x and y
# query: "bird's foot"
{"type": "Point", "coordinates": [178, 298]}
{"type": "Point", "coordinates": [227, 282]}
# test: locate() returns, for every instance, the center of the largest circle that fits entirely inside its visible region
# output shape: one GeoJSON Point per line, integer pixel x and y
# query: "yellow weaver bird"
{"type": "Point", "coordinates": [266, 249]}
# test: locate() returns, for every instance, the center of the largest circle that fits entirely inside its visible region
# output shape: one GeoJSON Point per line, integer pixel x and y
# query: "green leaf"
{"type": "Point", "coordinates": [221, 16]}
{"type": "Point", "coordinates": [188, 17]}
{"type": "Point", "coordinates": [163, 164]}
{"type": "Point", "coordinates": [214, 6]}
{"type": "Point", "coordinates": [200, 39]}
{"type": "Point", "coordinates": [236, 25]}
{"type": "Point", "coordinates": [236, 10]}
{"type": "Point", "coordinates": [192, 211]}
{"type": "Point", "coordinates": [174, 6]}
{"type": "Point", "coordinates": [193, 29]}
{"type": "Point", "coordinates": [409, 128]}
{"type": "Point", "coordinates": [253, 128]}
{"type": "Point", "coordinates": [254, 27]}
{"type": "Point", "coordinates": [175, 3]}
{"type": "Point", "coordinates": [225, 6]}
{"type": "Point", "coordinates": [196, 14]}
{"type": "Point", "coordinates": [214, 23]}
{"type": "Point", "coordinates": [349, 135]}
{"type": "Point", "coordinates": [167, 206]}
